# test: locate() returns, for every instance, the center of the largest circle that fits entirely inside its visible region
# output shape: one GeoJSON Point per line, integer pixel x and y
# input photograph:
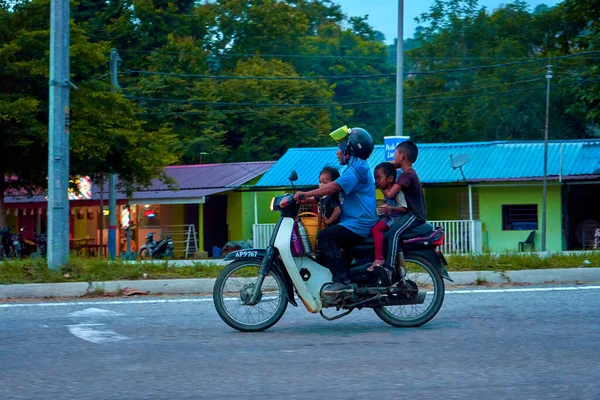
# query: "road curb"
{"type": "Point", "coordinates": [205, 285]}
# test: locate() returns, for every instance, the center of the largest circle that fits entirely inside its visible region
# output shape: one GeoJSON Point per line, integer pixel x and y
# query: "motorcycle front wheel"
{"type": "Point", "coordinates": [233, 289]}
{"type": "Point", "coordinates": [420, 274]}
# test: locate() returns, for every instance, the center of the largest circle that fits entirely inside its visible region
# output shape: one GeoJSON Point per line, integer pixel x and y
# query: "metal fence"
{"type": "Point", "coordinates": [462, 237]}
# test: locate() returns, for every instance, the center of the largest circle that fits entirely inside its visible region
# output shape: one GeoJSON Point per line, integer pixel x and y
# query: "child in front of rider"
{"type": "Point", "coordinates": [330, 203]}
{"type": "Point", "coordinates": [357, 194]}
{"type": "Point", "coordinates": [389, 211]}
{"type": "Point", "coordinates": [409, 183]}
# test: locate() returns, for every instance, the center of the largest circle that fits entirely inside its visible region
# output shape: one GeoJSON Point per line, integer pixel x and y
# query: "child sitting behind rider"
{"type": "Point", "coordinates": [409, 183]}
{"type": "Point", "coordinates": [389, 211]}
{"type": "Point", "coordinates": [331, 203]}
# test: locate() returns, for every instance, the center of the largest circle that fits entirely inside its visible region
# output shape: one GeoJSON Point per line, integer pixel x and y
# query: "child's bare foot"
{"type": "Point", "coordinates": [375, 263]}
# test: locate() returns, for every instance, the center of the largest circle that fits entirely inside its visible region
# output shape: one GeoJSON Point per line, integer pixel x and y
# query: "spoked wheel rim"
{"type": "Point", "coordinates": [237, 288]}
{"type": "Point", "coordinates": [420, 277]}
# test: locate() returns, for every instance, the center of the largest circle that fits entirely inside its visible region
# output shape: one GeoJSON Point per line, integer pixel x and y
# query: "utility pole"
{"type": "Point", "coordinates": [58, 136]}
{"type": "Point", "coordinates": [112, 177]}
{"type": "Point", "coordinates": [400, 70]}
{"type": "Point", "coordinates": [545, 185]}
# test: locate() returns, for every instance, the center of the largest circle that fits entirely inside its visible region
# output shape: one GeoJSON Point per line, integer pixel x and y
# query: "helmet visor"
{"type": "Point", "coordinates": [340, 133]}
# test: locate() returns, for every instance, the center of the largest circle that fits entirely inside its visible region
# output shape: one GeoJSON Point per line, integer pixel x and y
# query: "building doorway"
{"type": "Point", "coordinates": [583, 215]}
{"type": "Point", "coordinates": [215, 223]}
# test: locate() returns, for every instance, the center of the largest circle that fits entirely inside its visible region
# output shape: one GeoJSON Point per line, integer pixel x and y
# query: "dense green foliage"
{"type": "Point", "coordinates": [232, 80]}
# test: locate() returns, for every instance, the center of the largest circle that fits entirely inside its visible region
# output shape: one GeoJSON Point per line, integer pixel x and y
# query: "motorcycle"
{"type": "Point", "coordinates": [263, 281]}
{"type": "Point", "coordinates": [41, 242]}
{"type": "Point", "coordinates": [10, 244]}
{"type": "Point", "coordinates": [152, 249]}
{"type": "Point", "coordinates": [28, 247]}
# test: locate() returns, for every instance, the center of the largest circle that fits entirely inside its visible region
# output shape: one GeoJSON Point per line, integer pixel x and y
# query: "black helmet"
{"type": "Point", "coordinates": [360, 143]}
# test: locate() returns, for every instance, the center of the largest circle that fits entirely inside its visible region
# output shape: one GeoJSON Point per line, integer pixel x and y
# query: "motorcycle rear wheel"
{"type": "Point", "coordinates": [427, 278]}
{"type": "Point", "coordinates": [145, 254]}
{"type": "Point", "coordinates": [233, 288]}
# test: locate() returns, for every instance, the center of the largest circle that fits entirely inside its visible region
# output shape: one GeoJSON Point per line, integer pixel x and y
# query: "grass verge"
{"type": "Point", "coordinates": [519, 261]}
{"type": "Point", "coordinates": [97, 270]}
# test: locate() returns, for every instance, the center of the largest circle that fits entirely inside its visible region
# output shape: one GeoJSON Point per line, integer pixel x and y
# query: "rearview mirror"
{"type": "Point", "coordinates": [293, 176]}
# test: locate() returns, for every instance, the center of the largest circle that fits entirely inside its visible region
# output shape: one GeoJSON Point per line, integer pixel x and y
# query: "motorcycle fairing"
{"type": "Point", "coordinates": [310, 298]}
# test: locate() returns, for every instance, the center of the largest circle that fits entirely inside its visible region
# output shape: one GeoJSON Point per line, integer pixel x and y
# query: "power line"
{"type": "Point", "coordinates": [419, 99]}
{"type": "Point", "coordinates": [322, 56]}
{"type": "Point", "coordinates": [317, 56]}
{"type": "Point", "coordinates": [347, 104]}
{"type": "Point", "coordinates": [261, 78]}
{"type": "Point", "coordinates": [366, 76]}
{"type": "Point", "coordinates": [99, 78]}
{"type": "Point", "coordinates": [467, 69]}
{"type": "Point", "coordinates": [480, 87]}
{"type": "Point", "coordinates": [228, 55]}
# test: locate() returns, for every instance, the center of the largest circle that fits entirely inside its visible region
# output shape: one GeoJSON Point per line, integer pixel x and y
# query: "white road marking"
{"type": "Point", "coordinates": [89, 333]}
{"type": "Point", "coordinates": [209, 299]}
{"type": "Point", "coordinates": [550, 289]}
{"type": "Point", "coordinates": [95, 312]}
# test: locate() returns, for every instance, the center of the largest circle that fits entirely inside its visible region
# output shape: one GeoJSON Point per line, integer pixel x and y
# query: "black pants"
{"type": "Point", "coordinates": [331, 241]}
{"type": "Point", "coordinates": [404, 223]}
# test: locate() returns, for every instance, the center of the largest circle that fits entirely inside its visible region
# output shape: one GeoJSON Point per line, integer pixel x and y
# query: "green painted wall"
{"type": "Point", "coordinates": [442, 203]}
{"type": "Point", "coordinates": [491, 200]}
{"type": "Point", "coordinates": [234, 215]}
{"type": "Point", "coordinates": [265, 215]}
{"type": "Point", "coordinates": [240, 212]}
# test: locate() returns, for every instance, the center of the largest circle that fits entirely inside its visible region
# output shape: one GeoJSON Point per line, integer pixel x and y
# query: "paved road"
{"type": "Point", "coordinates": [492, 345]}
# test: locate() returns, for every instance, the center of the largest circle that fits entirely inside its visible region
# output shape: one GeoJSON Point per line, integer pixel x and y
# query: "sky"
{"type": "Point", "coordinates": [383, 14]}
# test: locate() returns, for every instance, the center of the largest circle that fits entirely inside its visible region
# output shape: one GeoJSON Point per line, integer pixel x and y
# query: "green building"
{"type": "Point", "coordinates": [494, 200]}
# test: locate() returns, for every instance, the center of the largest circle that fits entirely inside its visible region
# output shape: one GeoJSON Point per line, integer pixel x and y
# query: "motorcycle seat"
{"type": "Point", "coordinates": [418, 231]}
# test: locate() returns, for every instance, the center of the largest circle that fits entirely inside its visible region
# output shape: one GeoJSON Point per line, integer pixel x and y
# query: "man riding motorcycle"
{"type": "Point", "coordinates": [357, 197]}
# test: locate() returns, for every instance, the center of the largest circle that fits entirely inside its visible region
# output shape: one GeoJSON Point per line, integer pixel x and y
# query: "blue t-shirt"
{"type": "Point", "coordinates": [358, 197]}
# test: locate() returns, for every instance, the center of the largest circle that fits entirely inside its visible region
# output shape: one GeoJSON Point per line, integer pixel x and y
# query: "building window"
{"type": "Point", "coordinates": [520, 217]}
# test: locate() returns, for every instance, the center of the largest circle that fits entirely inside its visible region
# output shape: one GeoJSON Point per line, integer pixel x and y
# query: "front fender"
{"type": "Point", "coordinates": [259, 256]}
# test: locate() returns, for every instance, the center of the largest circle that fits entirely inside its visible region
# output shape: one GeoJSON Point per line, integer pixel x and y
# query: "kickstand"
{"type": "Point", "coordinates": [337, 316]}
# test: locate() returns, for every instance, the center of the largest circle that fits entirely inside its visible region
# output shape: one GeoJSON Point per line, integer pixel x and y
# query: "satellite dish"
{"type": "Point", "coordinates": [458, 162]}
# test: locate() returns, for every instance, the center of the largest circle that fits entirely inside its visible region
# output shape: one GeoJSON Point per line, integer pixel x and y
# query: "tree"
{"type": "Point", "coordinates": [498, 95]}
{"type": "Point", "coordinates": [580, 32]}
{"type": "Point", "coordinates": [132, 152]}
{"type": "Point", "coordinates": [184, 107]}
{"type": "Point", "coordinates": [265, 132]}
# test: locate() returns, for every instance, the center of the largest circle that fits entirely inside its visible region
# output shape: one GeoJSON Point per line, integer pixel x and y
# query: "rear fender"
{"type": "Point", "coordinates": [435, 258]}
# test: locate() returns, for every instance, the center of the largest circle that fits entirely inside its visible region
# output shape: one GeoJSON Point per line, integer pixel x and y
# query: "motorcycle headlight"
{"type": "Point", "coordinates": [278, 203]}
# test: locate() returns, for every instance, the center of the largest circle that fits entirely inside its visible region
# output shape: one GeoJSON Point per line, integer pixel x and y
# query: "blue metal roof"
{"type": "Point", "coordinates": [489, 161]}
